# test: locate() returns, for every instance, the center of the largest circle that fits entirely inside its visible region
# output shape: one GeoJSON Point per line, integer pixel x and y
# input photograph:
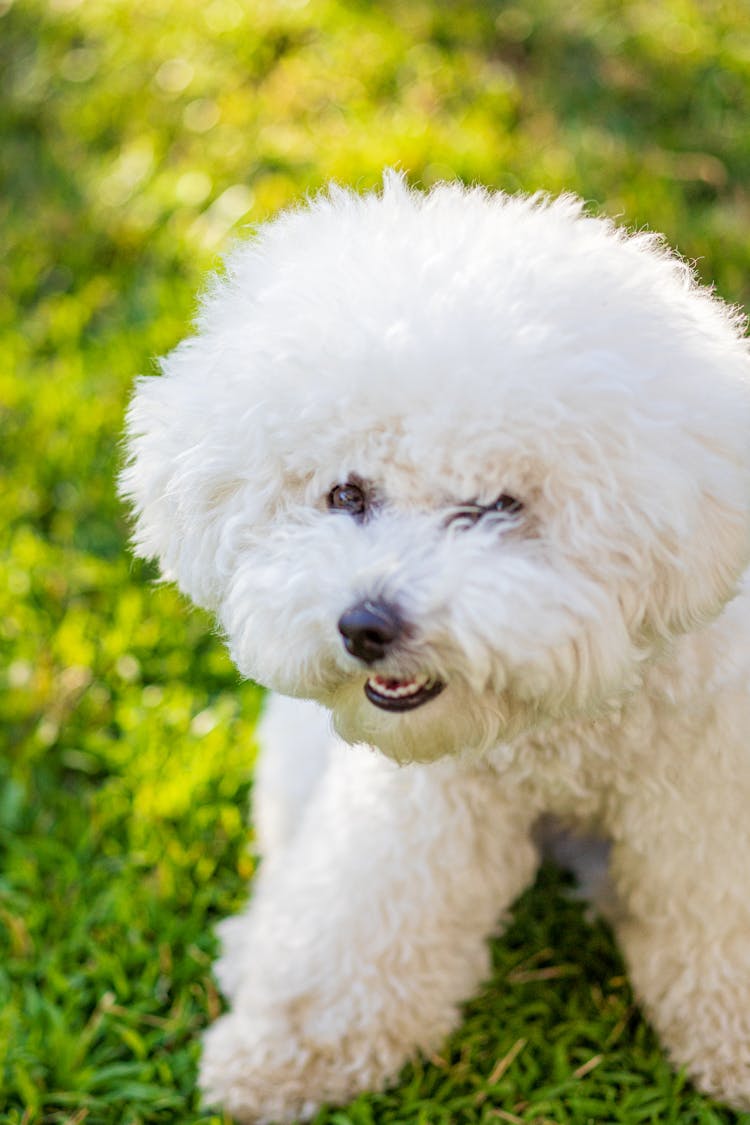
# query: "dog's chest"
{"type": "Point", "coordinates": [574, 770]}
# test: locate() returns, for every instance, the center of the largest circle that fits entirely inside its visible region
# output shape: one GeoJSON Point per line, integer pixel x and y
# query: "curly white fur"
{"type": "Point", "coordinates": [447, 348]}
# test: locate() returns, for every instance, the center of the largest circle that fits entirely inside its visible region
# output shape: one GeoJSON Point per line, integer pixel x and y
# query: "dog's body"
{"type": "Point", "coordinates": [472, 473]}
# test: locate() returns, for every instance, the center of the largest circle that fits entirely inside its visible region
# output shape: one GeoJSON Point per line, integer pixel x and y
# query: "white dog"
{"type": "Point", "coordinates": [470, 476]}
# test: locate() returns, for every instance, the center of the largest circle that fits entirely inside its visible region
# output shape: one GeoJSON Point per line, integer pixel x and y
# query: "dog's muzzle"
{"type": "Point", "coordinates": [370, 630]}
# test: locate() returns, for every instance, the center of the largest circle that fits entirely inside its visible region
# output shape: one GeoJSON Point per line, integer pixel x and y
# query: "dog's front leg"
{"type": "Point", "coordinates": [365, 934]}
{"type": "Point", "coordinates": [683, 879]}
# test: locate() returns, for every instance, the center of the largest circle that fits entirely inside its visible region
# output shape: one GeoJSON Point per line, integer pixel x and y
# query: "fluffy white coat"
{"type": "Point", "coordinates": [442, 350]}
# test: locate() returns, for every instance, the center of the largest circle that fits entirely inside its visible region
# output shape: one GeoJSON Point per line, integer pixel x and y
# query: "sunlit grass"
{"type": "Point", "coordinates": [138, 139]}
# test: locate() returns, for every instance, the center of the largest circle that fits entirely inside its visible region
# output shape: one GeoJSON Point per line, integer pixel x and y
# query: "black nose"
{"type": "Point", "coordinates": [369, 629]}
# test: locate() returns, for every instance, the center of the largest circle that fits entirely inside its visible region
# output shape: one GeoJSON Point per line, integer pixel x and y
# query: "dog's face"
{"type": "Point", "coordinates": [453, 465]}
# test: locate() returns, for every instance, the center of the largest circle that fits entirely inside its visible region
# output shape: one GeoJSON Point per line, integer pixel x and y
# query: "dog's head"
{"type": "Point", "coordinates": [452, 464]}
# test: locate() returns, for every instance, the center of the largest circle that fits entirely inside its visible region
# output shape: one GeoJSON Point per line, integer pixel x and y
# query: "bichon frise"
{"type": "Point", "coordinates": [468, 475]}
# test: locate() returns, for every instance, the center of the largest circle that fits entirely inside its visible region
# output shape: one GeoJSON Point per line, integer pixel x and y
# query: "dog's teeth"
{"type": "Point", "coordinates": [398, 689]}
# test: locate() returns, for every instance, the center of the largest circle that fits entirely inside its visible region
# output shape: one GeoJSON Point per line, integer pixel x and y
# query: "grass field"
{"type": "Point", "coordinates": [137, 140]}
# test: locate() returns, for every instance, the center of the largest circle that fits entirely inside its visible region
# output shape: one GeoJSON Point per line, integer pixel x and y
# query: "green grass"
{"type": "Point", "coordinates": [137, 139]}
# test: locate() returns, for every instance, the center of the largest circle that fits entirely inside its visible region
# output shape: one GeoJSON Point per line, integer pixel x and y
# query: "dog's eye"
{"type": "Point", "coordinates": [508, 504]}
{"type": "Point", "coordinates": [469, 514]}
{"type": "Point", "coordinates": [347, 497]}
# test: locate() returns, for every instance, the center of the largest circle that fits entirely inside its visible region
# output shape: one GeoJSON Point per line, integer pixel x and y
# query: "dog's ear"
{"type": "Point", "coordinates": [701, 561]}
{"type": "Point", "coordinates": [179, 479]}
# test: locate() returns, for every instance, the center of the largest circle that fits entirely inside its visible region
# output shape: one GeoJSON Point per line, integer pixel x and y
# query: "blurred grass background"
{"type": "Point", "coordinates": [137, 139]}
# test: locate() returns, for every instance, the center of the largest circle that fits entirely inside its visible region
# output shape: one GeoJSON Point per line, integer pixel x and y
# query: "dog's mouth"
{"type": "Point", "coordinates": [402, 695]}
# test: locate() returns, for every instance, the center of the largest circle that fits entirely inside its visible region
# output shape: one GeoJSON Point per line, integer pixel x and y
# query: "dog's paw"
{"type": "Point", "coordinates": [263, 1070]}
{"type": "Point", "coordinates": [252, 1074]}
